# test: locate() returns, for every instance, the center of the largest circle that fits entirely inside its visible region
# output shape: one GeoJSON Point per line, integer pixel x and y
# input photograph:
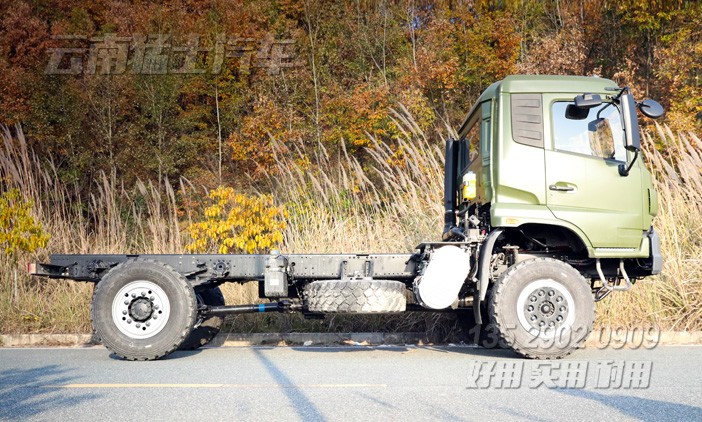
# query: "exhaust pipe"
{"type": "Point", "coordinates": [450, 188]}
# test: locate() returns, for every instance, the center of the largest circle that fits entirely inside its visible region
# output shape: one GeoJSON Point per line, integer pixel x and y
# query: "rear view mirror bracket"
{"type": "Point", "coordinates": [632, 138]}
{"type": "Point", "coordinates": [625, 169]}
{"type": "Point", "coordinates": [587, 101]}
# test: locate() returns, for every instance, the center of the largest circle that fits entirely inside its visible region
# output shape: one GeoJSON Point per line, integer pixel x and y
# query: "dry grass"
{"type": "Point", "coordinates": [390, 203]}
{"type": "Point", "coordinates": [672, 300]}
{"type": "Point", "coordinates": [111, 219]}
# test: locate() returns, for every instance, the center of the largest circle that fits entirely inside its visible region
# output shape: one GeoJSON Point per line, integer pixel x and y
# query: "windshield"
{"type": "Point", "coordinates": [600, 134]}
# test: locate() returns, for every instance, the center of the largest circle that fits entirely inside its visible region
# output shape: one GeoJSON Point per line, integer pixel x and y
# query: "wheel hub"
{"type": "Point", "coordinates": [545, 307]}
{"type": "Point", "coordinates": [140, 309]}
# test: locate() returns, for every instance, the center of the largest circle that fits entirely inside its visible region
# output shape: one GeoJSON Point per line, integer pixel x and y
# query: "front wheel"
{"type": "Point", "coordinates": [143, 310]}
{"type": "Point", "coordinates": [542, 308]}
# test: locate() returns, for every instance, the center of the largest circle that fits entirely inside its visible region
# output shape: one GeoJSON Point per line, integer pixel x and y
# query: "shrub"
{"type": "Point", "coordinates": [235, 222]}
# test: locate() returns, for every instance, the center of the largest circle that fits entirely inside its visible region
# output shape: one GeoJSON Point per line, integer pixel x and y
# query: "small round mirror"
{"type": "Point", "coordinates": [651, 108]}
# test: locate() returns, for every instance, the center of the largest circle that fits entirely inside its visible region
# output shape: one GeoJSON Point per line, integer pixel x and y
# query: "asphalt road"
{"type": "Point", "coordinates": [352, 383]}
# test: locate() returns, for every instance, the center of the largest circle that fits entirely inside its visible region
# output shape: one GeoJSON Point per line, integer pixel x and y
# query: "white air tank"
{"type": "Point", "coordinates": [438, 286]}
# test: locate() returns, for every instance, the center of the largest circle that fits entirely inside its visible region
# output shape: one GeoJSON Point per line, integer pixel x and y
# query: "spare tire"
{"type": "Point", "coordinates": [357, 296]}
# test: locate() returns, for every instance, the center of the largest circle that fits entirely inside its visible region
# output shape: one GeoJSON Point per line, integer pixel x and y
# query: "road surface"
{"type": "Point", "coordinates": [351, 383]}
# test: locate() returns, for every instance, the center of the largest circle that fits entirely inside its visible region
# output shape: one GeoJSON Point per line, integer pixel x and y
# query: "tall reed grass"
{"type": "Point", "coordinates": [389, 202]}
{"type": "Point", "coordinates": [672, 300]}
{"type": "Point", "coordinates": [108, 219]}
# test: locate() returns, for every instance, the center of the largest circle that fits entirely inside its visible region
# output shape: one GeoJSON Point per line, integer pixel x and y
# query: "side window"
{"type": "Point", "coordinates": [486, 132]}
{"type": "Point", "coordinates": [473, 140]}
{"type": "Point", "coordinates": [597, 134]}
{"type": "Point", "coordinates": [475, 143]}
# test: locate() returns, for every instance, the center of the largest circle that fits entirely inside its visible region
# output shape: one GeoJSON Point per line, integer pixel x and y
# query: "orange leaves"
{"type": "Point", "coordinates": [352, 116]}
{"type": "Point", "coordinates": [679, 59]}
{"type": "Point", "coordinates": [561, 54]}
{"type": "Point", "coordinates": [236, 222]}
{"type": "Point", "coordinates": [459, 52]}
{"type": "Point", "coordinates": [353, 62]}
{"type": "Point", "coordinates": [250, 145]}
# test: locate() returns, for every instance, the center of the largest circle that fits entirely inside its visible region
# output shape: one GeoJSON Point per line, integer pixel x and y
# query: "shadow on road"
{"type": "Point", "coordinates": [639, 407]}
{"type": "Point", "coordinates": [468, 350]}
{"type": "Point", "coordinates": [304, 407]}
{"type": "Point", "coordinates": [29, 392]}
{"type": "Point", "coordinates": [178, 354]}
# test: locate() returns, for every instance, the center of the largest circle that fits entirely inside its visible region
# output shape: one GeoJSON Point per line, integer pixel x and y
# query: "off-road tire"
{"type": "Point", "coordinates": [209, 327]}
{"type": "Point", "coordinates": [537, 279]}
{"type": "Point", "coordinates": [355, 296]}
{"type": "Point", "coordinates": [169, 288]}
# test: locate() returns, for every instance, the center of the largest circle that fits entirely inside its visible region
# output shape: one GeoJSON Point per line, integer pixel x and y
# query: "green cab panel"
{"type": "Point", "coordinates": [549, 165]}
{"type": "Point", "coordinates": [583, 183]}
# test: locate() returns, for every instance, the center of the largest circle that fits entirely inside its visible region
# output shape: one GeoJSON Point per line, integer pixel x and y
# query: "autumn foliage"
{"type": "Point", "coordinates": [347, 139]}
{"type": "Point", "coordinates": [234, 222]}
{"type": "Point", "coordinates": [20, 232]}
{"type": "Point", "coordinates": [350, 62]}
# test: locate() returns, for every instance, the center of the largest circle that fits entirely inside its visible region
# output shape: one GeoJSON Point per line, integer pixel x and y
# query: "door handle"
{"type": "Point", "coordinates": [561, 188]}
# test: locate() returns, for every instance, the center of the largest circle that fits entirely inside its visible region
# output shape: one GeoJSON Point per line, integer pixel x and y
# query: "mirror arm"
{"type": "Point", "coordinates": [623, 169]}
{"type": "Point", "coordinates": [621, 91]}
{"type": "Point", "coordinates": [602, 109]}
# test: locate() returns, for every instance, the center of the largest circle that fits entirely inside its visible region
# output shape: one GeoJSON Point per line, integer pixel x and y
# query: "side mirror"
{"type": "Point", "coordinates": [574, 112]}
{"type": "Point", "coordinates": [632, 139]}
{"type": "Point", "coordinates": [600, 135]}
{"type": "Point", "coordinates": [600, 125]}
{"type": "Point", "coordinates": [588, 101]}
{"type": "Point", "coordinates": [651, 108]}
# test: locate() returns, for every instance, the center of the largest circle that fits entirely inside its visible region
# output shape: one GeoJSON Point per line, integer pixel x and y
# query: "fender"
{"type": "Point", "coordinates": [484, 272]}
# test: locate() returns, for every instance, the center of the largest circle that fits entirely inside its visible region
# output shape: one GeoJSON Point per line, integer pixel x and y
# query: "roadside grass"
{"type": "Point", "coordinates": [390, 202]}
{"type": "Point", "coordinates": [673, 299]}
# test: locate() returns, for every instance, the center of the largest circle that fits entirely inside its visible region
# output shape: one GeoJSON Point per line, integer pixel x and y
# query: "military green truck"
{"type": "Point", "coordinates": [548, 208]}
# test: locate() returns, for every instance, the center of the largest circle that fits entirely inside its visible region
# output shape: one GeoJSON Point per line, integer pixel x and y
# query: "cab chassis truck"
{"type": "Point", "coordinates": [547, 210]}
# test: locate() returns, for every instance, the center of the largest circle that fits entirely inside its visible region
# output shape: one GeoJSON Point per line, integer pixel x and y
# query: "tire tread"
{"type": "Point", "coordinates": [498, 292]}
{"type": "Point", "coordinates": [355, 296]}
{"type": "Point", "coordinates": [190, 300]}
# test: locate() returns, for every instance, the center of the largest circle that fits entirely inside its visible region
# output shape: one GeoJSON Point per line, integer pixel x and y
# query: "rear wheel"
{"type": "Point", "coordinates": [143, 310]}
{"type": "Point", "coordinates": [207, 328]}
{"type": "Point", "coordinates": [542, 308]}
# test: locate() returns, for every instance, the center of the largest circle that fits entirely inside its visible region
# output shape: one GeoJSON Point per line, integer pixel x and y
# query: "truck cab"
{"type": "Point", "coordinates": [547, 170]}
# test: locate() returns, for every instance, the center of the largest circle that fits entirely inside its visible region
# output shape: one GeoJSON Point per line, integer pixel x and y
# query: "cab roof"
{"type": "Point", "coordinates": [537, 84]}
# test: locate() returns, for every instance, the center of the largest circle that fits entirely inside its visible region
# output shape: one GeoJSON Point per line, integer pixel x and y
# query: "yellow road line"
{"type": "Point", "coordinates": [217, 386]}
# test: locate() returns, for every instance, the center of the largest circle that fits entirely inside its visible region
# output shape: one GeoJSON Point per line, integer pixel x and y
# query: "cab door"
{"type": "Point", "coordinates": [583, 185]}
